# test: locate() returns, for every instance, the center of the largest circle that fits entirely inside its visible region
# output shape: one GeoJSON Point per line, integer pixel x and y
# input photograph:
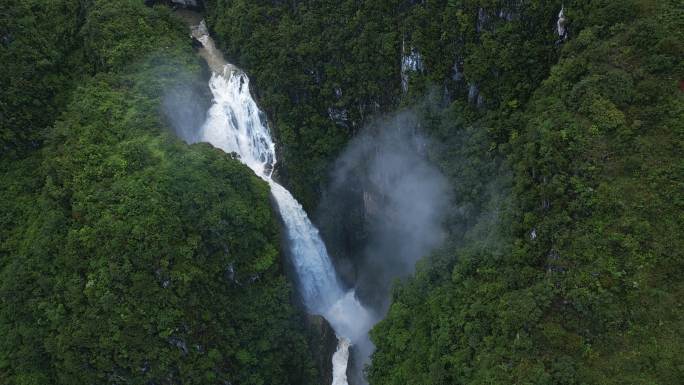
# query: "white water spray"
{"type": "Point", "coordinates": [236, 125]}
{"type": "Point", "coordinates": [339, 361]}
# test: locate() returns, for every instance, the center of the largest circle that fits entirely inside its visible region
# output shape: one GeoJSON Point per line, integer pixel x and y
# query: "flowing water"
{"type": "Point", "coordinates": [236, 125]}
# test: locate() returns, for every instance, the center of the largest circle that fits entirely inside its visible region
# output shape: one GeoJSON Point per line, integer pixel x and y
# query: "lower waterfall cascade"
{"type": "Point", "coordinates": [235, 124]}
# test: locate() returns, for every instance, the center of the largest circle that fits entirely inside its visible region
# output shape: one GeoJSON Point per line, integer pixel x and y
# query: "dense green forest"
{"type": "Point", "coordinates": [324, 68]}
{"type": "Point", "coordinates": [564, 152]}
{"type": "Point", "coordinates": [583, 286]}
{"type": "Point", "coordinates": [127, 256]}
{"type": "Point", "coordinates": [130, 257]}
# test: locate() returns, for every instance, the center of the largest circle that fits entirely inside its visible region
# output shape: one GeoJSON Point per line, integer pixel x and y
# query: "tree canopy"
{"type": "Point", "coordinates": [126, 255]}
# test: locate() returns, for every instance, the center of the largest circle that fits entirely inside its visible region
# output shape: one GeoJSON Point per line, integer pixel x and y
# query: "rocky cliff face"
{"type": "Point", "coordinates": [323, 342]}
{"type": "Point", "coordinates": [190, 4]}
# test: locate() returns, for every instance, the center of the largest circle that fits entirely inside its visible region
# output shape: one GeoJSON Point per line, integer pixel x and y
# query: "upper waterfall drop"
{"type": "Point", "coordinates": [235, 124]}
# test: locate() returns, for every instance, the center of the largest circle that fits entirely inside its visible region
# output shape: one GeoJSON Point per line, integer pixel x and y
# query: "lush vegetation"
{"type": "Point", "coordinates": [564, 252]}
{"type": "Point", "coordinates": [127, 256]}
{"type": "Point", "coordinates": [323, 68]}
{"type": "Point", "coordinates": [311, 61]}
{"type": "Point", "coordinates": [36, 51]}
{"type": "Point", "coordinates": [578, 283]}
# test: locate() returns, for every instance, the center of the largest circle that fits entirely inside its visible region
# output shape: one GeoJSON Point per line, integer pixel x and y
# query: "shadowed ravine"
{"type": "Point", "coordinates": [236, 125]}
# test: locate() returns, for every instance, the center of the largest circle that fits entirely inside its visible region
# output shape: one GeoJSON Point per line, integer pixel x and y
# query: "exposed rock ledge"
{"type": "Point", "coordinates": [323, 342]}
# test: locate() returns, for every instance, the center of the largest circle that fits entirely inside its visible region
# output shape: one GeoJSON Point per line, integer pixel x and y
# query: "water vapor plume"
{"type": "Point", "coordinates": [385, 184]}
{"type": "Point", "coordinates": [185, 108]}
{"type": "Point", "coordinates": [382, 212]}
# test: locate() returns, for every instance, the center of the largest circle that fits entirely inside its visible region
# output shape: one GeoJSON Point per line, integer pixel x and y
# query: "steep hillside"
{"type": "Point", "coordinates": [561, 135]}
{"type": "Point", "coordinates": [127, 256]}
{"type": "Point", "coordinates": [581, 284]}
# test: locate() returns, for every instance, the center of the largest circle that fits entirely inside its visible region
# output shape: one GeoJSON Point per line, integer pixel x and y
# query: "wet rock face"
{"type": "Point", "coordinates": [187, 3]}
{"type": "Point", "coordinates": [323, 342]}
{"type": "Point", "coordinates": [190, 4]}
{"type": "Point", "coordinates": [411, 62]}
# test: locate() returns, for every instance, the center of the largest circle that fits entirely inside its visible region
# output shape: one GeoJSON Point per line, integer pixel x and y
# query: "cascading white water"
{"type": "Point", "coordinates": [235, 124]}
{"type": "Point", "coordinates": [339, 361]}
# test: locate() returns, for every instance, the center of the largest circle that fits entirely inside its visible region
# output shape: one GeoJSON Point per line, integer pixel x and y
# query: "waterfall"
{"type": "Point", "coordinates": [340, 359]}
{"type": "Point", "coordinates": [236, 125]}
{"type": "Point", "coordinates": [560, 25]}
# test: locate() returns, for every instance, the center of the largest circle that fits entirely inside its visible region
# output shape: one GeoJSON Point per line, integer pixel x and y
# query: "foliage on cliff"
{"type": "Point", "coordinates": [565, 156]}
{"type": "Point", "coordinates": [127, 256]}
{"type": "Point", "coordinates": [38, 45]}
{"type": "Point", "coordinates": [312, 61]}
{"type": "Point", "coordinates": [580, 283]}
{"type": "Point", "coordinates": [322, 69]}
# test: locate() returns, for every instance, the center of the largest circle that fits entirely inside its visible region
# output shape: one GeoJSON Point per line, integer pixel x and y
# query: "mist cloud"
{"type": "Point", "coordinates": [390, 202]}
{"type": "Point", "coordinates": [185, 108]}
